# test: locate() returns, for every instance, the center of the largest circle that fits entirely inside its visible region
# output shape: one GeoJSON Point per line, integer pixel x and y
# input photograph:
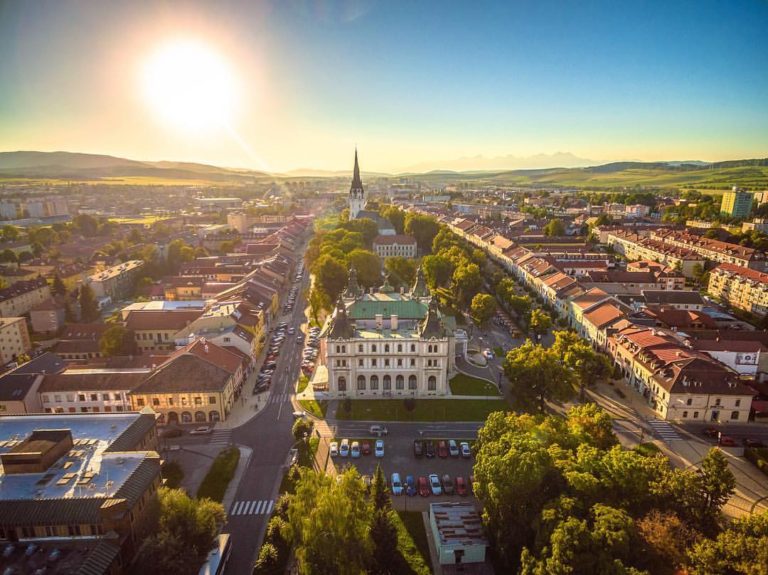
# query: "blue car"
{"type": "Point", "coordinates": [410, 486]}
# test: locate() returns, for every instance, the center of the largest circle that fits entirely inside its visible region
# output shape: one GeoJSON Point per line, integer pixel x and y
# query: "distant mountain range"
{"type": "Point", "coordinates": [80, 167]}
{"type": "Point", "coordinates": [508, 162]}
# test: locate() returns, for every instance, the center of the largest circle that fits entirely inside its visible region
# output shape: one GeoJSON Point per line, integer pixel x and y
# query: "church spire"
{"type": "Point", "coordinates": [356, 192]}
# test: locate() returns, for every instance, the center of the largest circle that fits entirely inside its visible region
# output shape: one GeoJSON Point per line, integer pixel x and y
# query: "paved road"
{"type": "Point", "coordinates": [269, 436]}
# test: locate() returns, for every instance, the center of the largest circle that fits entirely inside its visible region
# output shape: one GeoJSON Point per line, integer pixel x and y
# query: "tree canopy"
{"type": "Point", "coordinates": [483, 308]}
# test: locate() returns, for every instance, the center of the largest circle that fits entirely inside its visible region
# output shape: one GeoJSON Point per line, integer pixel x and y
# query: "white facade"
{"type": "Point", "coordinates": [395, 245]}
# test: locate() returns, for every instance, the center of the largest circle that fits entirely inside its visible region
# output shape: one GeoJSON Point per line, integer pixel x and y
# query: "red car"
{"type": "Point", "coordinates": [726, 441]}
{"type": "Point", "coordinates": [461, 487]}
{"type": "Point", "coordinates": [366, 448]}
{"type": "Point", "coordinates": [424, 489]}
{"type": "Point", "coordinates": [442, 449]}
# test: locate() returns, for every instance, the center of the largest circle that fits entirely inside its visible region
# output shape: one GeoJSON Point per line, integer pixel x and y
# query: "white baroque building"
{"type": "Point", "coordinates": [388, 344]}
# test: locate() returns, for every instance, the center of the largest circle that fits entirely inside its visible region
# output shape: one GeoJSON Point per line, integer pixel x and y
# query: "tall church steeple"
{"type": "Point", "coordinates": [356, 192]}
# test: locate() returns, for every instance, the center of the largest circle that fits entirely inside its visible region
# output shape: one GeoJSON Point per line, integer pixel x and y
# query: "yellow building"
{"type": "Point", "coordinates": [743, 288]}
{"type": "Point", "coordinates": [14, 338]}
{"type": "Point", "coordinates": [22, 296]}
{"type": "Point", "coordinates": [736, 203]}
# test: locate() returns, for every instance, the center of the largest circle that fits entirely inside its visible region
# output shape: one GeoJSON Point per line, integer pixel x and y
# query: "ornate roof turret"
{"type": "Point", "coordinates": [386, 286]}
{"type": "Point", "coordinates": [356, 189]}
{"type": "Point", "coordinates": [420, 288]}
{"type": "Point", "coordinates": [341, 327]}
{"type": "Point", "coordinates": [353, 288]}
{"type": "Point", "coordinates": [433, 325]}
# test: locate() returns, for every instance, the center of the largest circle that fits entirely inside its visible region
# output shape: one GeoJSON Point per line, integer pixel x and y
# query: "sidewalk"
{"type": "Point", "coordinates": [242, 465]}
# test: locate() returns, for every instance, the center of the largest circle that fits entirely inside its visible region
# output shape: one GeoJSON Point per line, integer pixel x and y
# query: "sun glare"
{"type": "Point", "coordinates": [190, 86]}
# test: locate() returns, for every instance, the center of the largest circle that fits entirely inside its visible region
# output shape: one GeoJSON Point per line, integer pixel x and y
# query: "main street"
{"type": "Point", "coordinates": [268, 434]}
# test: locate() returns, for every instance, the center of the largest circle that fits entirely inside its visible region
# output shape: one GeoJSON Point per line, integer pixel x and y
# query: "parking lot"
{"type": "Point", "coordinates": [399, 458]}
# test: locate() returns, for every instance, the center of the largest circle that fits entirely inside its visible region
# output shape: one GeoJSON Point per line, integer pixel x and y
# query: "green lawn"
{"type": "Point", "coordinates": [219, 475]}
{"type": "Point", "coordinates": [412, 541]}
{"type": "Point", "coordinates": [303, 383]}
{"type": "Point", "coordinates": [316, 408]}
{"type": "Point", "coordinates": [462, 384]}
{"type": "Point", "coordinates": [424, 410]}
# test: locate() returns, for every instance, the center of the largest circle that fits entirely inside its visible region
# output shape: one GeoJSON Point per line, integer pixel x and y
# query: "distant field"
{"type": "Point", "coordinates": [145, 221]}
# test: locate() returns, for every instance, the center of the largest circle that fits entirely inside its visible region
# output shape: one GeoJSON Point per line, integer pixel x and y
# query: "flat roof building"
{"type": "Point", "coordinates": [457, 531]}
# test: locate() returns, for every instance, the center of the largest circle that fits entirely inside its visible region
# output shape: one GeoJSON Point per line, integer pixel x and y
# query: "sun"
{"type": "Point", "coordinates": [188, 85]}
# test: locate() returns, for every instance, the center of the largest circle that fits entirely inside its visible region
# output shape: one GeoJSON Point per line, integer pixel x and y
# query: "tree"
{"type": "Point", "coordinates": [227, 246]}
{"type": "Point", "coordinates": [716, 484]}
{"type": "Point", "coordinates": [178, 253]}
{"type": "Point", "coordinates": [741, 549]}
{"type": "Point", "coordinates": [366, 227]}
{"type": "Point", "coordinates": [483, 308]}
{"type": "Point", "coordinates": [116, 341]}
{"type": "Point", "coordinates": [10, 233]}
{"type": "Point", "coordinates": [403, 270]}
{"type": "Point", "coordinates": [539, 321]}
{"type": "Point", "coordinates": [25, 256]}
{"type": "Point", "coordinates": [536, 373]}
{"type": "Point", "coordinates": [85, 224]}
{"type": "Point", "coordinates": [554, 228]}
{"type": "Point", "coordinates": [368, 266]}
{"type": "Point", "coordinates": [8, 256]}
{"type": "Point", "coordinates": [89, 309]}
{"type": "Point", "coordinates": [664, 540]}
{"type": "Point", "coordinates": [423, 228]}
{"type": "Point", "coordinates": [182, 532]}
{"type": "Point", "coordinates": [587, 364]}
{"type": "Point", "coordinates": [466, 282]}
{"type": "Point", "coordinates": [437, 271]}
{"type": "Point", "coordinates": [301, 429]}
{"type": "Point", "coordinates": [58, 286]}
{"type": "Point", "coordinates": [330, 276]}
{"type": "Point", "coordinates": [268, 562]}
{"type": "Point", "coordinates": [395, 215]}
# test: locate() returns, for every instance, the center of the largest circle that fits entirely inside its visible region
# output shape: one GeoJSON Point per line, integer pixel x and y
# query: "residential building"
{"type": "Point", "coordinates": [82, 484]}
{"type": "Point", "coordinates": [80, 341]}
{"type": "Point", "coordinates": [743, 357]}
{"type": "Point", "coordinates": [21, 297]}
{"type": "Point", "coordinates": [156, 330]}
{"type": "Point", "coordinates": [14, 338]}
{"type": "Point", "coordinates": [634, 246]}
{"type": "Point", "coordinates": [679, 383]}
{"type": "Point", "coordinates": [756, 225]}
{"type": "Point", "coordinates": [116, 282]}
{"type": "Point", "coordinates": [90, 390]}
{"type": "Point", "coordinates": [687, 300]}
{"type": "Point", "coordinates": [396, 245]}
{"type": "Point", "coordinates": [619, 282]}
{"type": "Point", "coordinates": [743, 288]}
{"type": "Point", "coordinates": [47, 317]}
{"type": "Point", "coordinates": [18, 387]}
{"type": "Point", "coordinates": [736, 203]}
{"type": "Point", "coordinates": [713, 250]}
{"type": "Point", "coordinates": [387, 344]}
{"type": "Point", "coordinates": [198, 383]}
{"type": "Point", "coordinates": [457, 531]}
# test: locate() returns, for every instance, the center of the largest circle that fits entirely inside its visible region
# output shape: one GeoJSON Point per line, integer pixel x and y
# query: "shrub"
{"type": "Point", "coordinates": [173, 474]}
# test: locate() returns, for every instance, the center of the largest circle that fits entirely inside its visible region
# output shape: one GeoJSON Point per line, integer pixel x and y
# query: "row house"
{"type": "Point", "coordinates": [635, 247]}
{"type": "Point", "coordinates": [621, 282]}
{"type": "Point", "coordinates": [714, 250]}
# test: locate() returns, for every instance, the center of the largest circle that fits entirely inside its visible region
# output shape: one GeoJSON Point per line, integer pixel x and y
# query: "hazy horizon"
{"type": "Point", "coordinates": [282, 86]}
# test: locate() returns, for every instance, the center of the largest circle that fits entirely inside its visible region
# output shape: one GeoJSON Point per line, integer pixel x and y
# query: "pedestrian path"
{"type": "Point", "coordinates": [263, 507]}
{"type": "Point", "coordinates": [664, 430]}
{"type": "Point", "coordinates": [221, 437]}
{"type": "Point", "coordinates": [279, 397]}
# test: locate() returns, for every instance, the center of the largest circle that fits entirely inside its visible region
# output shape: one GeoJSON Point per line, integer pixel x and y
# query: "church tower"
{"type": "Point", "coordinates": [356, 193]}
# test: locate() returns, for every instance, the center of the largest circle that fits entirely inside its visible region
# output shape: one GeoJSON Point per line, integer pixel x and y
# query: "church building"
{"type": "Point", "coordinates": [357, 201]}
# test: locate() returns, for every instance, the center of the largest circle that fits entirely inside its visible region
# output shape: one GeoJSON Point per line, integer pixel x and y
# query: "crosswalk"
{"type": "Point", "coordinates": [221, 437]}
{"type": "Point", "coordinates": [664, 430]}
{"type": "Point", "coordinates": [263, 507]}
{"type": "Point", "coordinates": [279, 397]}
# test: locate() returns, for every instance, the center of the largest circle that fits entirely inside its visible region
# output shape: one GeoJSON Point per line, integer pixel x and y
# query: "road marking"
{"type": "Point", "coordinates": [255, 507]}
{"type": "Point", "coordinates": [271, 504]}
{"type": "Point", "coordinates": [664, 430]}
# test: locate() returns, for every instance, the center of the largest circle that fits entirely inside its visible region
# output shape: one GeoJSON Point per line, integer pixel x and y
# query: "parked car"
{"type": "Point", "coordinates": [726, 441]}
{"type": "Point", "coordinates": [354, 452]}
{"type": "Point", "coordinates": [711, 432]}
{"type": "Point", "coordinates": [447, 484]}
{"type": "Point", "coordinates": [204, 430]}
{"type": "Point", "coordinates": [461, 486]}
{"type": "Point", "coordinates": [423, 486]}
{"type": "Point", "coordinates": [434, 484]}
{"type": "Point", "coordinates": [442, 449]}
{"type": "Point", "coordinates": [334, 449]}
{"type": "Point", "coordinates": [488, 354]}
{"type": "Point", "coordinates": [418, 448]}
{"type": "Point", "coordinates": [378, 430]}
{"type": "Point", "coordinates": [429, 448]}
{"type": "Point", "coordinates": [378, 449]}
{"type": "Point", "coordinates": [397, 486]}
{"type": "Point", "coordinates": [365, 447]}
{"type": "Point", "coordinates": [453, 448]}
{"type": "Point", "coordinates": [466, 452]}
{"type": "Point", "coordinates": [410, 486]}
{"type": "Point", "coordinates": [344, 448]}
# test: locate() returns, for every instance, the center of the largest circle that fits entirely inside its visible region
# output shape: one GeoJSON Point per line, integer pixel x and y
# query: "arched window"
{"type": "Point", "coordinates": [412, 382]}
{"type": "Point", "coordinates": [374, 382]}
{"type": "Point", "coordinates": [432, 383]}
{"type": "Point", "coordinates": [387, 382]}
{"type": "Point", "coordinates": [213, 416]}
{"type": "Point", "coordinates": [186, 417]}
{"type": "Point", "coordinates": [200, 417]}
{"type": "Point", "coordinates": [399, 382]}
{"type": "Point", "coordinates": [342, 383]}
{"type": "Point", "coordinates": [361, 383]}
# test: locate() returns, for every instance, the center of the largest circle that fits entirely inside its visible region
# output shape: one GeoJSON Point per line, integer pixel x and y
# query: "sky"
{"type": "Point", "coordinates": [412, 83]}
